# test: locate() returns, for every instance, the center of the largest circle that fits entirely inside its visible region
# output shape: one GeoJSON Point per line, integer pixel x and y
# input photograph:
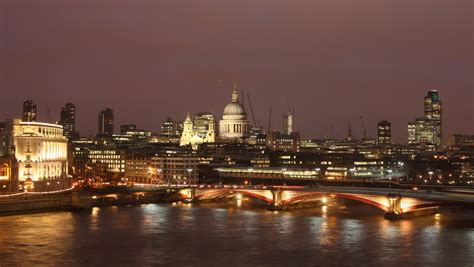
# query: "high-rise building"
{"type": "Point", "coordinates": [428, 130]}
{"type": "Point", "coordinates": [288, 123]}
{"type": "Point", "coordinates": [68, 120]}
{"type": "Point", "coordinates": [106, 121]}
{"type": "Point", "coordinates": [433, 106]}
{"type": "Point", "coordinates": [29, 111]}
{"type": "Point", "coordinates": [384, 133]}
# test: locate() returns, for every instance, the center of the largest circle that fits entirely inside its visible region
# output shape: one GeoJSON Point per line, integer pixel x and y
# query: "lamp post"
{"type": "Point", "coordinates": [189, 174]}
{"type": "Point", "coordinates": [158, 173]}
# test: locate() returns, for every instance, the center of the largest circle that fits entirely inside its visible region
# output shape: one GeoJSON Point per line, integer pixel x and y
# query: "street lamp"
{"type": "Point", "coordinates": [158, 172]}
{"type": "Point", "coordinates": [189, 174]}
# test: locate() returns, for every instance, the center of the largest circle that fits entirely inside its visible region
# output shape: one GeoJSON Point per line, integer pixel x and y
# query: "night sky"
{"type": "Point", "coordinates": [331, 59]}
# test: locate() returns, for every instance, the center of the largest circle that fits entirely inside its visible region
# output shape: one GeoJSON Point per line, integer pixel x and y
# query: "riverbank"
{"type": "Point", "coordinates": [25, 203]}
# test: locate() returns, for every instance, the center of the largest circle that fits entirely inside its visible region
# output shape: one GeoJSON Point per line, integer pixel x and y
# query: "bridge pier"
{"type": "Point", "coordinates": [277, 203]}
{"type": "Point", "coordinates": [191, 195]}
{"type": "Point", "coordinates": [395, 211]}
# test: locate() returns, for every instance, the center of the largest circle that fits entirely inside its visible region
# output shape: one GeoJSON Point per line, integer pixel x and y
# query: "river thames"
{"type": "Point", "coordinates": [237, 235]}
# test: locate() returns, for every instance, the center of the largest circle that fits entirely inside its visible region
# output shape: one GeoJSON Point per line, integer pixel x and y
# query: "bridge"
{"type": "Point", "coordinates": [395, 203]}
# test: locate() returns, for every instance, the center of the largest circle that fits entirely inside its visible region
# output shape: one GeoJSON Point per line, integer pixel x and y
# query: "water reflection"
{"type": "Point", "coordinates": [234, 234]}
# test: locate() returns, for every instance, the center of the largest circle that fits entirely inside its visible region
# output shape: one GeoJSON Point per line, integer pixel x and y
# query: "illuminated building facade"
{"type": "Point", "coordinates": [110, 158]}
{"type": "Point", "coordinates": [267, 174]}
{"type": "Point", "coordinates": [234, 125]}
{"type": "Point", "coordinates": [384, 133]}
{"type": "Point", "coordinates": [428, 130]}
{"type": "Point", "coordinates": [29, 111]}
{"type": "Point", "coordinates": [132, 131]}
{"type": "Point", "coordinates": [176, 169]}
{"type": "Point", "coordinates": [81, 148]}
{"type": "Point", "coordinates": [169, 128]}
{"type": "Point", "coordinates": [106, 122]}
{"type": "Point", "coordinates": [138, 169]}
{"type": "Point", "coordinates": [165, 165]}
{"type": "Point", "coordinates": [202, 130]}
{"type": "Point", "coordinates": [284, 142]}
{"type": "Point", "coordinates": [39, 151]}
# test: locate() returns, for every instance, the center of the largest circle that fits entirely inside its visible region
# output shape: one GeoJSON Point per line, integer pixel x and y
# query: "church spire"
{"type": "Point", "coordinates": [235, 94]}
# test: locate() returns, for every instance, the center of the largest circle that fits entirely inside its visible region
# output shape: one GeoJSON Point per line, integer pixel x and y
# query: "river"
{"type": "Point", "coordinates": [235, 234]}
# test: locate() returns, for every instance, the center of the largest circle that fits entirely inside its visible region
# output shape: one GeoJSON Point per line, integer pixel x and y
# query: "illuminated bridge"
{"type": "Point", "coordinates": [394, 203]}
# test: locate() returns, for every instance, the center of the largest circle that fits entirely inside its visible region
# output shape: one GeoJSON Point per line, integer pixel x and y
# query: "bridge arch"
{"type": "Point", "coordinates": [380, 202]}
{"type": "Point", "coordinates": [292, 198]}
{"type": "Point", "coordinates": [214, 194]}
{"type": "Point", "coordinates": [265, 195]}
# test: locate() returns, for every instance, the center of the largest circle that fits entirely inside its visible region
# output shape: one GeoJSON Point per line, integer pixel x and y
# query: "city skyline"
{"type": "Point", "coordinates": [354, 131]}
{"type": "Point", "coordinates": [329, 63]}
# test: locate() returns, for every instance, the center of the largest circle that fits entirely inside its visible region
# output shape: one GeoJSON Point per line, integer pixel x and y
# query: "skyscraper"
{"type": "Point", "coordinates": [106, 121]}
{"type": "Point", "coordinates": [428, 130]}
{"type": "Point", "coordinates": [68, 120]}
{"type": "Point", "coordinates": [384, 133]}
{"type": "Point", "coordinates": [432, 106]}
{"type": "Point", "coordinates": [29, 111]}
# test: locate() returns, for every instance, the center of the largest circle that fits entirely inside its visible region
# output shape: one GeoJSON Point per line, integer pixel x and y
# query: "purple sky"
{"type": "Point", "coordinates": [333, 59]}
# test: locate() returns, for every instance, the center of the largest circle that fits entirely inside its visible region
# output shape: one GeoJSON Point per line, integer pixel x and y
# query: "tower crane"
{"type": "Point", "coordinates": [269, 120]}
{"type": "Point", "coordinates": [255, 123]}
{"type": "Point", "coordinates": [364, 130]}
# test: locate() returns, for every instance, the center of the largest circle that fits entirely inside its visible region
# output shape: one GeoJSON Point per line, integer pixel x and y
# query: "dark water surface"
{"type": "Point", "coordinates": [225, 234]}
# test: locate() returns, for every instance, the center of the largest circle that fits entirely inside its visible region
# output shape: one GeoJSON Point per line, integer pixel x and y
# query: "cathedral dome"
{"type": "Point", "coordinates": [234, 124]}
{"type": "Point", "coordinates": [234, 109]}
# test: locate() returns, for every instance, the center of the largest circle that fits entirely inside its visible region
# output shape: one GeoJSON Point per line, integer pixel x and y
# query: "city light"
{"type": "Point", "coordinates": [324, 200]}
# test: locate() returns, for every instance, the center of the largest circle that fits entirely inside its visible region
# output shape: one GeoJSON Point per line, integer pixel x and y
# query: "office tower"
{"type": "Point", "coordinates": [384, 133]}
{"type": "Point", "coordinates": [433, 106]}
{"type": "Point", "coordinates": [428, 130]}
{"type": "Point", "coordinates": [106, 121]}
{"type": "Point", "coordinates": [68, 120]}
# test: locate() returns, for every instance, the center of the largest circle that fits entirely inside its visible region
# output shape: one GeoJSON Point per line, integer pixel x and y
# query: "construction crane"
{"type": "Point", "coordinates": [349, 132]}
{"type": "Point", "coordinates": [49, 114]}
{"type": "Point", "coordinates": [364, 130]}
{"type": "Point", "coordinates": [269, 120]}
{"type": "Point", "coordinates": [251, 110]}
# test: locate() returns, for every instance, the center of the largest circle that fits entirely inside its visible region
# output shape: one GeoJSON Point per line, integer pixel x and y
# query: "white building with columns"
{"type": "Point", "coordinates": [234, 125]}
{"type": "Point", "coordinates": [39, 151]}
